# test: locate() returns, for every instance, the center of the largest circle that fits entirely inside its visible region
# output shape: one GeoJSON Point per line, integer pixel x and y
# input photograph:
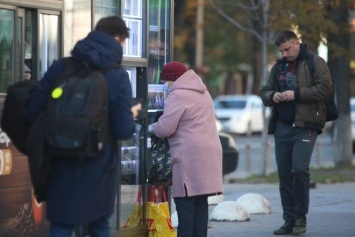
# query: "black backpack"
{"type": "Point", "coordinates": [77, 112]}
{"type": "Point", "coordinates": [13, 119]}
{"type": "Point", "coordinates": [74, 126]}
{"type": "Point", "coordinates": [330, 106]}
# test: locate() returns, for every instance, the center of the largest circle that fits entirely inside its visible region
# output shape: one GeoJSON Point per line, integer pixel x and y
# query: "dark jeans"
{"type": "Point", "coordinates": [293, 150]}
{"type": "Point", "coordinates": [99, 228]}
{"type": "Point", "coordinates": [192, 216]}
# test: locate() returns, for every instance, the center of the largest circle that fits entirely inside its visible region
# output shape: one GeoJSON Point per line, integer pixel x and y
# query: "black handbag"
{"type": "Point", "coordinates": [160, 172]}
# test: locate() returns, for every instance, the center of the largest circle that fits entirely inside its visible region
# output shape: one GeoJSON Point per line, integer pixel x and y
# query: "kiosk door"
{"type": "Point", "coordinates": [29, 42]}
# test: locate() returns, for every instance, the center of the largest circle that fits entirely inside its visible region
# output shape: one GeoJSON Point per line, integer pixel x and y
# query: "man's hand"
{"type": "Point", "coordinates": [288, 95]}
{"type": "Point", "coordinates": [135, 109]}
{"type": "Point", "coordinates": [277, 98]}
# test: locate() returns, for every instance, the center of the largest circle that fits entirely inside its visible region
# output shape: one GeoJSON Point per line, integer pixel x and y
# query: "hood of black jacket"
{"type": "Point", "coordinates": [99, 50]}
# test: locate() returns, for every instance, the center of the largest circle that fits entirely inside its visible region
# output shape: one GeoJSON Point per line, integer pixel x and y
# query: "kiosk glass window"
{"type": "Point", "coordinates": [48, 41]}
{"type": "Point", "coordinates": [29, 66]}
{"type": "Point", "coordinates": [159, 38]}
{"type": "Point", "coordinates": [103, 8]}
{"type": "Point", "coordinates": [7, 31]}
{"type": "Point", "coordinates": [134, 14]}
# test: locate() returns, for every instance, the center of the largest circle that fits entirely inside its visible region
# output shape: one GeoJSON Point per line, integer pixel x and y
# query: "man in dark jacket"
{"type": "Point", "coordinates": [88, 198]}
{"type": "Point", "coordinates": [297, 118]}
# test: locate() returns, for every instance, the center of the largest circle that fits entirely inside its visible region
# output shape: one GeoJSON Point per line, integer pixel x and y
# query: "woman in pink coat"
{"type": "Point", "coordinates": [196, 153]}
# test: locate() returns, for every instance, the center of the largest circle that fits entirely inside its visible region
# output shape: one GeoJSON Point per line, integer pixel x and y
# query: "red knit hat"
{"type": "Point", "coordinates": [172, 71]}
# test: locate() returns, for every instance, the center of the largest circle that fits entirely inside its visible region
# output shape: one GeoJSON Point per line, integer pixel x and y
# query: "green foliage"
{"type": "Point", "coordinates": [308, 17]}
{"type": "Point", "coordinates": [226, 45]}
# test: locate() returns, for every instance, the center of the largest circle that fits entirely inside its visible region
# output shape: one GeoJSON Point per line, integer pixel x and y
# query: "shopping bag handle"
{"type": "Point", "coordinates": [152, 194]}
{"type": "Point", "coordinates": [139, 196]}
{"type": "Point", "coordinates": [162, 194]}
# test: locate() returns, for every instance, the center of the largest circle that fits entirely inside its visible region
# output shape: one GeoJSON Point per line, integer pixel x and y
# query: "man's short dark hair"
{"type": "Point", "coordinates": [285, 36]}
{"type": "Point", "coordinates": [114, 26]}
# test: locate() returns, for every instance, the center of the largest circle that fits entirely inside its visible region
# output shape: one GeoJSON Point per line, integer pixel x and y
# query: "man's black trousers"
{"type": "Point", "coordinates": [293, 151]}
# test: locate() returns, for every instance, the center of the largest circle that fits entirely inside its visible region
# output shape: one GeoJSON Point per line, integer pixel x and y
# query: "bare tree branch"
{"type": "Point", "coordinates": [235, 23]}
{"type": "Point", "coordinates": [240, 5]}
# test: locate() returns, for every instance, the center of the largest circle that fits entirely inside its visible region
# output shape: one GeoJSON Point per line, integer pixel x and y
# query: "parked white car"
{"type": "Point", "coordinates": [241, 114]}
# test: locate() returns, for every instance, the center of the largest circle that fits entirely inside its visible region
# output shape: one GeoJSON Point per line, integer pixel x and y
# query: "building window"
{"type": "Point", "coordinates": [159, 38]}
{"type": "Point", "coordinates": [104, 8]}
{"type": "Point", "coordinates": [48, 41]}
{"type": "Point", "coordinates": [133, 16]}
{"type": "Point", "coordinates": [7, 30]}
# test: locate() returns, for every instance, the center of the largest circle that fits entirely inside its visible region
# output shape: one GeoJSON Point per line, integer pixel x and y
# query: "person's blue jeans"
{"type": "Point", "coordinates": [98, 228]}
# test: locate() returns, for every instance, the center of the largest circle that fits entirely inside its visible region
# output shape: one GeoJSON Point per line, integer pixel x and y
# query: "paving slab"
{"type": "Point", "coordinates": [331, 212]}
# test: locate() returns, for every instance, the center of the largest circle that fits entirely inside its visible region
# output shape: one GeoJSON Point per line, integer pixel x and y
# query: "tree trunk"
{"type": "Point", "coordinates": [339, 69]}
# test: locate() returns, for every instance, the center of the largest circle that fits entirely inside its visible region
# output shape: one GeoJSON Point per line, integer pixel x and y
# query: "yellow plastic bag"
{"type": "Point", "coordinates": [158, 217]}
{"type": "Point", "coordinates": [136, 217]}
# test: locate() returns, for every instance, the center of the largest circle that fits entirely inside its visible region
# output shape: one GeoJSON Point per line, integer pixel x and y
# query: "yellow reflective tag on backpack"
{"type": "Point", "coordinates": [57, 92]}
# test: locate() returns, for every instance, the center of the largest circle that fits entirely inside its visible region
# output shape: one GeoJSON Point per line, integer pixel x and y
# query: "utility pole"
{"type": "Point", "coordinates": [199, 34]}
{"type": "Point", "coordinates": [264, 80]}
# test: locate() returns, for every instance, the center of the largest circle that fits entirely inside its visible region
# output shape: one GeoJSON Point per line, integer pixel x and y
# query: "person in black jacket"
{"type": "Point", "coordinates": [298, 116]}
{"type": "Point", "coordinates": [89, 198]}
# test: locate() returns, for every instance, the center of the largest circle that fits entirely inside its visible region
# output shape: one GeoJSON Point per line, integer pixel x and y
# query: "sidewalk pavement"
{"type": "Point", "coordinates": [331, 212]}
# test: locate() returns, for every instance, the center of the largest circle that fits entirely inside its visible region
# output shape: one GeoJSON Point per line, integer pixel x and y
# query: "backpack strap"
{"type": "Point", "coordinates": [311, 67]}
{"type": "Point", "coordinates": [278, 67]}
{"type": "Point", "coordinates": [279, 63]}
{"type": "Point", "coordinates": [70, 65]}
{"type": "Point", "coordinates": [310, 64]}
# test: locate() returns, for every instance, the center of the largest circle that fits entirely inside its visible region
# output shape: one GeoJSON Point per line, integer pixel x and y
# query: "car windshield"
{"type": "Point", "coordinates": [230, 104]}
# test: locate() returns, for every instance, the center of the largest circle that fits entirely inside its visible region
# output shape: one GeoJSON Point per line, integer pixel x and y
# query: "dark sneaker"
{"type": "Point", "coordinates": [284, 229]}
{"type": "Point", "coordinates": [300, 226]}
